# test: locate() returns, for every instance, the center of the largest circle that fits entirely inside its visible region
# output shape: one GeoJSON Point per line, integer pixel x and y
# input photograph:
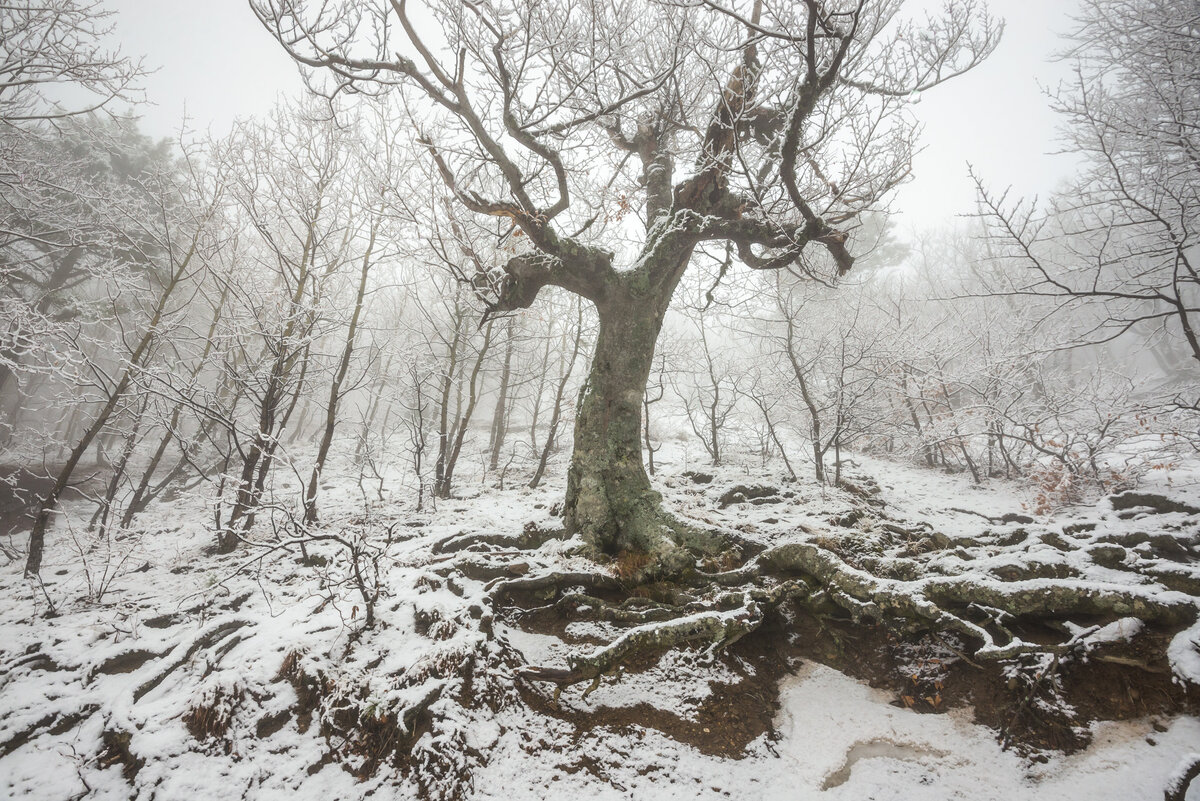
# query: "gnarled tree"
{"type": "Point", "coordinates": [770, 126]}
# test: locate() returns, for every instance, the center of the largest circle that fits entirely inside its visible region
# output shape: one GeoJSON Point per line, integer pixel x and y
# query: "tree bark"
{"type": "Point", "coordinates": [500, 413]}
{"type": "Point", "coordinates": [556, 410]}
{"type": "Point", "coordinates": [339, 379]}
{"type": "Point", "coordinates": [814, 411]}
{"type": "Point", "coordinates": [450, 445]}
{"type": "Point", "coordinates": [609, 498]}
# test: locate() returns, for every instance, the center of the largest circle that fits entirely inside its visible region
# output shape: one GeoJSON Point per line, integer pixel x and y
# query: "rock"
{"type": "Point", "coordinates": [742, 494]}
{"type": "Point", "coordinates": [1157, 503]}
{"type": "Point", "coordinates": [1107, 555]}
{"type": "Point", "coordinates": [1014, 537]}
{"type": "Point", "coordinates": [847, 520]}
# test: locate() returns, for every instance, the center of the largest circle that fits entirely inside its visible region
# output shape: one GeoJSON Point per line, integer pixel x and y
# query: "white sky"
{"type": "Point", "coordinates": [997, 117]}
{"type": "Point", "coordinates": [214, 60]}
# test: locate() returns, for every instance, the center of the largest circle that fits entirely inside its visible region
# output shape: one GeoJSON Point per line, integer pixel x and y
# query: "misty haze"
{"type": "Point", "coordinates": [644, 399]}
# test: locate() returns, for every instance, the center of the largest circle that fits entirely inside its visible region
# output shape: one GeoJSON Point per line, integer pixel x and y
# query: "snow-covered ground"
{"type": "Point", "coordinates": [97, 701]}
{"type": "Point", "coordinates": [839, 739]}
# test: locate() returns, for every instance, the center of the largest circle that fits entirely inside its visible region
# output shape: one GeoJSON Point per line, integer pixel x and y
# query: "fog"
{"type": "Point", "coordinates": [436, 361]}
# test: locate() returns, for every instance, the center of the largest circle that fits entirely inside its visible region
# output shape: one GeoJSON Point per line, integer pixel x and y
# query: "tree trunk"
{"type": "Point", "coordinates": [609, 498]}
{"type": "Point", "coordinates": [647, 402]}
{"type": "Point", "coordinates": [445, 433]}
{"type": "Point", "coordinates": [49, 503]}
{"type": "Point", "coordinates": [103, 511]}
{"type": "Point", "coordinates": [339, 379]}
{"type": "Point", "coordinates": [500, 414]}
{"type": "Point", "coordinates": [556, 410]}
{"type": "Point", "coordinates": [445, 481]}
{"type": "Point", "coordinates": [814, 413]}
{"type": "Point", "coordinates": [542, 372]}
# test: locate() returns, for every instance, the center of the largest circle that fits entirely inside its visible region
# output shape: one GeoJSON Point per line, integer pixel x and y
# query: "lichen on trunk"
{"type": "Point", "coordinates": [610, 502]}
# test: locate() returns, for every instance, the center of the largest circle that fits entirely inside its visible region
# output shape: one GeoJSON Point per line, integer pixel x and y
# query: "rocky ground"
{"type": "Point", "coordinates": [147, 668]}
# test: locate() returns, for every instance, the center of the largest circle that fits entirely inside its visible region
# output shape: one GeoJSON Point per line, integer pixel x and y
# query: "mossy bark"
{"type": "Point", "coordinates": [609, 498]}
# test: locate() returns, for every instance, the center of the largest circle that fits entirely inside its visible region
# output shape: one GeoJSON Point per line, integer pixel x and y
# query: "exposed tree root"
{"type": "Point", "coordinates": [742, 613]}
{"type": "Point", "coordinates": [52, 722]}
{"type": "Point", "coordinates": [980, 609]}
{"type": "Point", "coordinates": [531, 538]}
{"type": "Point", "coordinates": [718, 628]}
{"type": "Point", "coordinates": [554, 582]}
{"type": "Point", "coordinates": [211, 635]}
{"type": "Point", "coordinates": [989, 609]}
{"type": "Point", "coordinates": [935, 600]}
{"type": "Point", "coordinates": [634, 611]}
{"type": "Point", "coordinates": [877, 595]}
{"type": "Point", "coordinates": [219, 636]}
{"type": "Point", "coordinates": [369, 720]}
{"type": "Point", "coordinates": [1157, 503]}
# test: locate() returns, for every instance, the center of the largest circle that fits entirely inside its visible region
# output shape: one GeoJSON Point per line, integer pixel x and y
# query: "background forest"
{"type": "Point", "coordinates": [273, 356]}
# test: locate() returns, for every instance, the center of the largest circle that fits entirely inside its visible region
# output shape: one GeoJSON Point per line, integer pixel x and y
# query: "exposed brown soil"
{"type": "Point", "coordinates": [116, 752]}
{"type": "Point", "coordinates": [373, 740]}
{"type": "Point", "coordinates": [211, 721]}
{"type": "Point", "coordinates": [923, 673]}
{"type": "Point", "coordinates": [725, 722]}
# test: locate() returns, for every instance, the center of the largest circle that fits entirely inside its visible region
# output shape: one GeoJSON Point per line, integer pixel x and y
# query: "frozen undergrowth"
{"type": "Point", "coordinates": [104, 696]}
